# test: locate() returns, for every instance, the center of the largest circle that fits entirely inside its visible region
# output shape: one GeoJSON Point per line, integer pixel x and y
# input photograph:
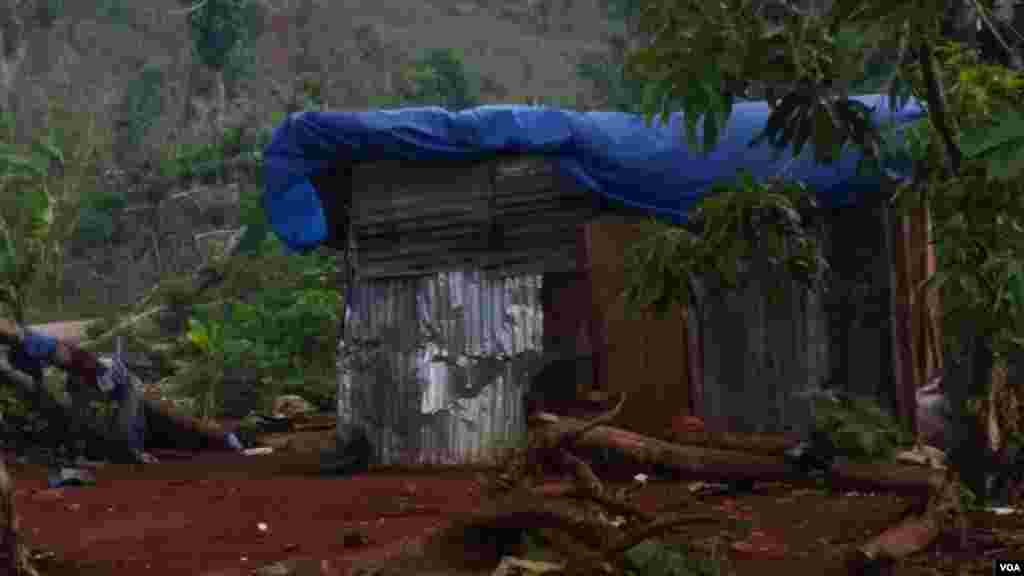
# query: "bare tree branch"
{"type": "Point", "coordinates": [188, 10]}
{"type": "Point", "coordinates": [937, 106]}
{"type": "Point", "coordinates": [1014, 55]}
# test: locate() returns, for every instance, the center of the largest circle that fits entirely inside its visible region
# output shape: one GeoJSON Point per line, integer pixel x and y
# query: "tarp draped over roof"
{"type": "Point", "coordinates": [613, 154]}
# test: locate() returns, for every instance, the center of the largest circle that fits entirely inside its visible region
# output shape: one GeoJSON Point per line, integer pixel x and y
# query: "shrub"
{"type": "Point", "coordinates": [655, 558]}
{"type": "Point", "coordinates": [440, 78]}
{"type": "Point", "coordinates": [285, 332]}
{"type": "Point", "coordinates": [98, 215]}
{"type": "Point", "coordinates": [856, 428]}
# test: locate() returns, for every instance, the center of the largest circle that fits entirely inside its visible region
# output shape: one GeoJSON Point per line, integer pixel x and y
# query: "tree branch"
{"type": "Point", "coordinates": [937, 107]}
{"type": "Point", "coordinates": [1015, 60]}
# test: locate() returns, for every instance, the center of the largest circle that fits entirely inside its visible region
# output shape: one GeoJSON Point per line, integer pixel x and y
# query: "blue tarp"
{"type": "Point", "coordinates": [613, 154]}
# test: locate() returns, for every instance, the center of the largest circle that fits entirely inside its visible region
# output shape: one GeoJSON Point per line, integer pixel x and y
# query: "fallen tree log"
{"type": "Point", "coordinates": [63, 418]}
{"type": "Point", "coordinates": [166, 428]}
{"type": "Point", "coordinates": [590, 526]}
{"type": "Point", "coordinates": [732, 465]}
{"type": "Point", "coordinates": [752, 443]}
{"type": "Point", "coordinates": [913, 533]}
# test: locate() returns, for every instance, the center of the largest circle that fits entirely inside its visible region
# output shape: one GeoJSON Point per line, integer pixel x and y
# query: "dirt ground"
{"type": "Point", "coordinates": [226, 515]}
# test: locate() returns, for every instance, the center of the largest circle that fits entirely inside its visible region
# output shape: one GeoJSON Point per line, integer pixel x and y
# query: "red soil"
{"type": "Point", "coordinates": [203, 516]}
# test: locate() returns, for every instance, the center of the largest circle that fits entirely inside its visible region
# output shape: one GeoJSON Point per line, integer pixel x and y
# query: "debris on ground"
{"type": "Point", "coordinates": [289, 406]}
{"type": "Point", "coordinates": [354, 538]}
{"type": "Point", "coordinates": [196, 507]}
{"type": "Point", "coordinates": [295, 567]}
{"type": "Point", "coordinates": [923, 455]}
{"type": "Point", "coordinates": [511, 566]}
{"type": "Point", "coordinates": [71, 477]}
{"type": "Point", "coordinates": [591, 526]}
{"type": "Point", "coordinates": [1002, 510]}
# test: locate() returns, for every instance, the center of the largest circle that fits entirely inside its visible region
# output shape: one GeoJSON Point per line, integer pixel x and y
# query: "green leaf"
{"type": "Point", "coordinates": [642, 554]}
{"type": "Point", "coordinates": [17, 164]}
{"type": "Point", "coordinates": [1006, 163]}
{"type": "Point", "coordinates": [1006, 128]}
{"type": "Point", "coordinates": [695, 104]}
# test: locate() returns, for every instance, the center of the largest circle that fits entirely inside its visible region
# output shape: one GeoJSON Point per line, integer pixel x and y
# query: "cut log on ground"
{"type": "Point", "coordinates": [731, 465]}
{"type": "Point", "coordinates": [167, 428]}
{"type": "Point", "coordinates": [770, 444]}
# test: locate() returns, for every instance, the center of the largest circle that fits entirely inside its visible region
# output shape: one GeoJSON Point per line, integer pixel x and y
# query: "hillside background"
{"type": "Point", "coordinates": [128, 161]}
{"type": "Point", "coordinates": [127, 69]}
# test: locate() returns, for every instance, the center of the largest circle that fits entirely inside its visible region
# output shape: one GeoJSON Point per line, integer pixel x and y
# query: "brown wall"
{"type": "Point", "coordinates": [645, 358]}
{"type": "Point", "coordinates": [920, 357]}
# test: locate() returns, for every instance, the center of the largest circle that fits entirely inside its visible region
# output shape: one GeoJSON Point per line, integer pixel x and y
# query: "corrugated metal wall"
{"type": "Point", "coordinates": [435, 367]}
{"type": "Point", "coordinates": [760, 354]}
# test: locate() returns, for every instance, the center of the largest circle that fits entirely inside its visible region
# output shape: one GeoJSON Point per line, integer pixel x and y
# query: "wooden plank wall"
{"type": "Point", "coordinates": [759, 355]}
{"type": "Point", "coordinates": [918, 310]}
{"type": "Point", "coordinates": [646, 358]}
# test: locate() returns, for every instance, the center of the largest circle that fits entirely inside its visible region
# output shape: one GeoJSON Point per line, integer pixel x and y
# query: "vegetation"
{"type": "Point", "coordinates": [856, 428]}
{"type": "Point", "coordinates": [440, 77]}
{"type": "Point", "coordinates": [219, 38]}
{"type": "Point", "coordinates": [143, 104]}
{"type": "Point", "coordinates": [436, 78]}
{"type": "Point", "coordinates": [282, 330]}
{"type": "Point", "coordinates": [968, 151]}
{"type": "Point", "coordinates": [607, 72]}
{"type": "Point", "coordinates": [43, 185]}
{"type": "Point", "coordinates": [652, 557]}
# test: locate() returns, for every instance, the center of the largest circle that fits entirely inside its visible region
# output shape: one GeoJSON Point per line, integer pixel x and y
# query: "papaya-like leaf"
{"type": "Point", "coordinates": [1005, 128]}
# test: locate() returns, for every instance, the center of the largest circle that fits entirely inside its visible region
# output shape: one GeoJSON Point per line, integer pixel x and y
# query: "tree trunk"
{"type": "Point", "coordinates": [190, 80]}
{"type": "Point", "coordinates": [1005, 17]}
{"type": "Point", "coordinates": [733, 465]}
{"type": "Point", "coordinates": [12, 50]}
{"type": "Point", "coordinates": [221, 103]}
{"type": "Point", "coordinates": [967, 377]}
{"type": "Point", "coordinates": [9, 527]}
{"type": "Point", "coordinates": [14, 558]}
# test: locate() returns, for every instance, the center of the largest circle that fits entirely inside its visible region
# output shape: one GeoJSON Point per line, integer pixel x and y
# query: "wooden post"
{"type": "Point", "coordinates": [595, 318]}
{"type": "Point", "coordinates": [902, 329]}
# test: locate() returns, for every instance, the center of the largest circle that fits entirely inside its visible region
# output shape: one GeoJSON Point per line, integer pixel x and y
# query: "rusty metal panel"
{"type": "Point", "coordinates": [435, 368]}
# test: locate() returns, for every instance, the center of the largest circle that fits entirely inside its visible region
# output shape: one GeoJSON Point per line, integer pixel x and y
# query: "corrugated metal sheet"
{"type": "Point", "coordinates": [760, 354]}
{"type": "Point", "coordinates": [509, 214]}
{"type": "Point", "coordinates": [435, 368]}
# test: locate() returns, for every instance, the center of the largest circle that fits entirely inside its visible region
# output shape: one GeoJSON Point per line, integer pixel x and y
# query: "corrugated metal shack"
{"type": "Point", "coordinates": [445, 356]}
{"type": "Point", "coordinates": [451, 315]}
{"type": "Point", "coordinates": [475, 279]}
